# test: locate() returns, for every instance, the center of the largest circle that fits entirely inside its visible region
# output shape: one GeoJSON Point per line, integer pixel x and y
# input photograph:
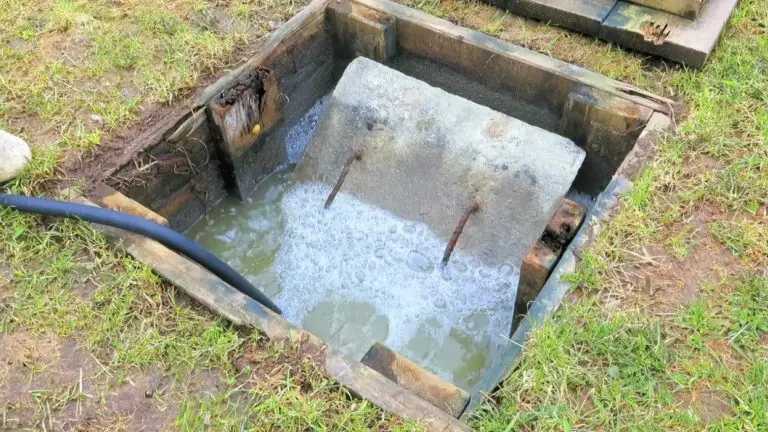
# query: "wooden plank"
{"type": "Point", "coordinates": [657, 125]}
{"type": "Point", "coordinates": [369, 384]}
{"type": "Point", "coordinates": [542, 257]}
{"type": "Point", "coordinates": [360, 31]}
{"type": "Point", "coordinates": [606, 127]}
{"type": "Point", "coordinates": [415, 378]}
{"type": "Point", "coordinates": [301, 57]}
{"type": "Point", "coordinates": [246, 110]}
{"type": "Point", "coordinates": [685, 8]}
{"type": "Point", "coordinates": [511, 64]}
{"type": "Point", "coordinates": [584, 16]}
{"type": "Point", "coordinates": [667, 35]}
{"type": "Point", "coordinates": [105, 196]}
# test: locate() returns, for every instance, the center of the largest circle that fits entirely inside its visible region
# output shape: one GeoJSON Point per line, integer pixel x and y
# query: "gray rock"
{"type": "Point", "coordinates": [427, 155]}
{"type": "Point", "coordinates": [14, 156]}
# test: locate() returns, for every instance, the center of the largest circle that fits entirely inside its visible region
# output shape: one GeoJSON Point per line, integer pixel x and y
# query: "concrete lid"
{"type": "Point", "coordinates": [429, 155]}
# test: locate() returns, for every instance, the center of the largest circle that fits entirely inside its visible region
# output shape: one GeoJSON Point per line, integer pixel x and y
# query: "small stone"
{"type": "Point", "coordinates": [97, 118]}
{"type": "Point", "coordinates": [14, 156]}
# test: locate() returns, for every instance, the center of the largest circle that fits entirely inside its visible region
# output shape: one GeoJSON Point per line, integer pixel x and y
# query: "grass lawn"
{"type": "Point", "coordinates": [665, 329]}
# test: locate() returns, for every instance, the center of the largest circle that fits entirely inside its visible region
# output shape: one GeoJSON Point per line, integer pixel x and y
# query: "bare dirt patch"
{"type": "Point", "coordinates": [38, 373]}
{"type": "Point", "coordinates": [655, 281]}
{"type": "Point", "coordinates": [273, 362]}
{"type": "Point", "coordinates": [52, 382]}
{"type": "Point", "coordinates": [710, 406]}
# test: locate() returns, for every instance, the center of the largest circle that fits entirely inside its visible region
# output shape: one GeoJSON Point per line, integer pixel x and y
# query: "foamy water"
{"type": "Point", "coordinates": [355, 274]}
{"type": "Point", "coordinates": [364, 274]}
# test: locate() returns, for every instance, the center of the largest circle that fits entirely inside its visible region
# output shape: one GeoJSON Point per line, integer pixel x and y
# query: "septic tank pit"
{"type": "Point", "coordinates": [223, 172]}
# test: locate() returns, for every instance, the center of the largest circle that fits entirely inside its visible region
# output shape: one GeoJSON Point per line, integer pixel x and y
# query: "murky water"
{"type": "Point", "coordinates": [355, 274]}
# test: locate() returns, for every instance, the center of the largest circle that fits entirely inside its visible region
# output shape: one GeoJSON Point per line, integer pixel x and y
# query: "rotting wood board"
{"type": "Point", "coordinates": [542, 257]}
{"type": "Point", "coordinates": [415, 378]}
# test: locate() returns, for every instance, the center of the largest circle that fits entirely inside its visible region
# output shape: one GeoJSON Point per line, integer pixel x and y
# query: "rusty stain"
{"type": "Point", "coordinates": [496, 128]}
{"type": "Point", "coordinates": [353, 156]}
{"type": "Point", "coordinates": [174, 203]}
{"type": "Point", "coordinates": [655, 33]}
{"type": "Point", "coordinates": [628, 110]}
{"type": "Point", "coordinates": [457, 232]}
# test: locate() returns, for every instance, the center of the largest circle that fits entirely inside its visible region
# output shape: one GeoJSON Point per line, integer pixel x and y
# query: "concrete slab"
{"type": "Point", "coordinates": [428, 156]}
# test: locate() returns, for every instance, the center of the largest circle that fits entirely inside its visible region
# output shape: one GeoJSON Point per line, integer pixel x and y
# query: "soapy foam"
{"type": "Point", "coordinates": [357, 253]}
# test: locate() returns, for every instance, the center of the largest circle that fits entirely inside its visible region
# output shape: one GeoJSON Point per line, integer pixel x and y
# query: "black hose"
{"type": "Point", "coordinates": [135, 224]}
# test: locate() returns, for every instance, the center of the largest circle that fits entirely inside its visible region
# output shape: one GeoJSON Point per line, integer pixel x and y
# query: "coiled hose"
{"type": "Point", "coordinates": [168, 237]}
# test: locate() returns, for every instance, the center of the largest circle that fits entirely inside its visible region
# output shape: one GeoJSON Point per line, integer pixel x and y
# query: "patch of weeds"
{"type": "Point", "coordinates": [64, 14]}
{"type": "Point", "coordinates": [744, 238]}
{"type": "Point", "coordinates": [743, 183]}
{"type": "Point", "coordinates": [40, 170]}
{"type": "Point", "coordinates": [495, 28]}
{"type": "Point", "coordinates": [747, 309]}
{"type": "Point", "coordinates": [702, 321]}
{"type": "Point", "coordinates": [587, 371]}
{"type": "Point", "coordinates": [682, 243]}
{"type": "Point", "coordinates": [112, 48]}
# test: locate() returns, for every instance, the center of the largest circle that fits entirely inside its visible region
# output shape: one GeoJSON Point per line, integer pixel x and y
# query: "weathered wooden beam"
{"type": "Point", "coordinates": [584, 16]}
{"type": "Point", "coordinates": [105, 196]}
{"type": "Point", "coordinates": [543, 256]}
{"type": "Point", "coordinates": [658, 125]}
{"type": "Point", "coordinates": [685, 8]}
{"type": "Point", "coordinates": [246, 110]}
{"type": "Point", "coordinates": [300, 59]}
{"type": "Point", "coordinates": [606, 127]}
{"type": "Point", "coordinates": [415, 378]}
{"type": "Point", "coordinates": [361, 31]}
{"type": "Point", "coordinates": [668, 35]}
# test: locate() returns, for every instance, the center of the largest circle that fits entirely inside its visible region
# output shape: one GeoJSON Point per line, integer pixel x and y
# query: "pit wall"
{"type": "Point", "coordinates": [227, 144]}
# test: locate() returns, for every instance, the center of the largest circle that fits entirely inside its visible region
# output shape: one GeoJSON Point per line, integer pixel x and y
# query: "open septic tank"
{"type": "Point", "coordinates": [405, 190]}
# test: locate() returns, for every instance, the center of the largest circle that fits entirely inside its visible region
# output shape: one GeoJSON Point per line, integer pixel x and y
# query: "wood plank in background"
{"type": "Point", "coordinates": [684, 31]}
{"type": "Point", "coordinates": [584, 16]}
{"type": "Point", "coordinates": [666, 35]}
